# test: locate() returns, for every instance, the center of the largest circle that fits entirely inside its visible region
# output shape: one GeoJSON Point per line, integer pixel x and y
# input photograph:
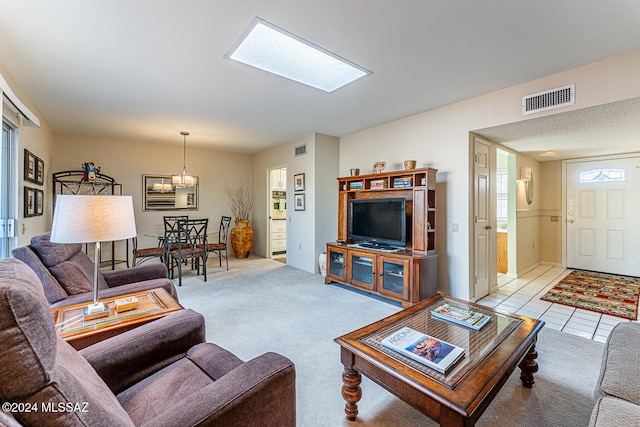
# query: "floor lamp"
{"type": "Point", "coordinates": [88, 218]}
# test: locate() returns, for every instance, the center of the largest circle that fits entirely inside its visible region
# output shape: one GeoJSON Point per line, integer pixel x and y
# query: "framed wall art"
{"type": "Point", "coordinates": [29, 166]}
{"type": "Point", "coordinates": [29, 202]}
{"type": "Point", "coordinates": [298, 202]}
{"type": "Point", "coordinates": [39, 209]}
{"type": "Point", "coordinates": [160, 194]}
{"type": "Point", "coordinates": [298, 182]}
{"type": "Point", "coordinates": [39, 171]}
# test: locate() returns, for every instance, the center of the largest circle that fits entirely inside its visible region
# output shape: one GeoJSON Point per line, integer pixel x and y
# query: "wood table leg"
{"type": "Point", "coordinates": [351, 392]}
{"type": "Point", "coordinates": [528, 367]}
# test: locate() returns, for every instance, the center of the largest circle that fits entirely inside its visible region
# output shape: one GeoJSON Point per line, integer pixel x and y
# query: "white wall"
{"type": "Point", "coordinates": [550, 207]}
{"type": "Point", "coordinates": [126, 161]}
{"type": "Point", "coordinates": [38, 140]}
{"type": "Point", "coordinates": [326, 203]}
{"type": "Point", "coordinates": [308, 230]}
{"type": "Point", "coordinates": [440, 139]}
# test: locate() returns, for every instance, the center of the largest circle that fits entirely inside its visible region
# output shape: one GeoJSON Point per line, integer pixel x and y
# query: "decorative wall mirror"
{"type": "Point", "coordinates": [159, 194]}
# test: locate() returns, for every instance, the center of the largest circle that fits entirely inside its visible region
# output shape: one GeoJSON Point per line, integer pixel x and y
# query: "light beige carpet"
{"type": "Point", "coordinates": [262, 305]}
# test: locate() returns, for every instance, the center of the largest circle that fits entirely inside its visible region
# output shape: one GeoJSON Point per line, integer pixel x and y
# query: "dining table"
{"type": "Point", "coordinates": [166, 240]}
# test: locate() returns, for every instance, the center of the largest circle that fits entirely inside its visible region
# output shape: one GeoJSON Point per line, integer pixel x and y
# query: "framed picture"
{"type": "Point", "coordinates": [298, 202]}
{"type": "Point", "coordinates": [39, 171]}
{"type": "Point", "coordinates": [39, 202]}
{"type": "Point", "coordinates": [160, 194]}
{"type": "Point", "coordinates": [298, 182]}
{"type": "Point", "coordinates": [29, 166]}
{"type": "Point", "coordinates": [29, 202]}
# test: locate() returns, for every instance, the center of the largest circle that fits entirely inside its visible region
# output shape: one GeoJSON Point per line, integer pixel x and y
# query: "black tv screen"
{"type": "Point", "coordinates": [378, 221]}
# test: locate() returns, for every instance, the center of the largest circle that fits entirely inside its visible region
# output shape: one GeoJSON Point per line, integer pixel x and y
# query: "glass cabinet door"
{"type": "Point", "coordinates": [336, 267]}
{"type": "Point", "coordinates": [362, 269]}
{"type": "Point", "coordinates": [394, 277]}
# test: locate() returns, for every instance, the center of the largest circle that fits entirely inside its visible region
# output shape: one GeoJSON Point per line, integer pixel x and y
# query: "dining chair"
{"type": "Point", "coordinates": [223, 236]}
{"type": "Point", "coordinates": [170, 237]}
{"type": "Point", "coordinates": [141, 255]}
{"type": "Point", "coordinates": [189, 246]}
{"type": "Point", "coordinates": [171, 223]}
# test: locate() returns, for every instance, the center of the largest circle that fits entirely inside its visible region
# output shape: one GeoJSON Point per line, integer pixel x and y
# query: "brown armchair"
{"type": "Point", "coordinates": [66, 273]}
{"type": "Point", "coordinates": [159, 374]}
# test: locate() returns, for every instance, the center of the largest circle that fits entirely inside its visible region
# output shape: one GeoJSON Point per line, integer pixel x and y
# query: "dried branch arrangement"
{"type": "Point", "coordinates": [241, 199]}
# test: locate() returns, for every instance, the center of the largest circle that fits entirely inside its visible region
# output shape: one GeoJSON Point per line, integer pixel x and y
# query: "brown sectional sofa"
{"type": "Point", "coordinates": [160, 374]}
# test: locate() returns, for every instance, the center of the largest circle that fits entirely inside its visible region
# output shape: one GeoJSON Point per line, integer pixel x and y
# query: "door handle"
{"type": "Point", "coordinates": [570, 221]}
{"type": "Point", "coordinates": [488, 227]}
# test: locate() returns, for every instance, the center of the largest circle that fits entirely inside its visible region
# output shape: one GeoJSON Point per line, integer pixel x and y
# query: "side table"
{"type": "Point", "coordinates": [72, 328]}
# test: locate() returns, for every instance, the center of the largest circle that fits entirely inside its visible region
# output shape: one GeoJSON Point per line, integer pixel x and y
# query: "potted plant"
{"type": "Point", "coordinates": [241, 199]}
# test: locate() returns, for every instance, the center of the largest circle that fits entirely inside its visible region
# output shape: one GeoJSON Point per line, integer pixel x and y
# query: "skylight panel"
{"type": "Point", "coordinates": [277, 51]}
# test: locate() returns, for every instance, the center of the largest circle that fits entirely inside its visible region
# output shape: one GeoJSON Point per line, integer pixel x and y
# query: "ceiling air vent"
{"type": "Point", "coordinates": [549, 99]}
{"type": "Point", "coordinates": [301, 150]}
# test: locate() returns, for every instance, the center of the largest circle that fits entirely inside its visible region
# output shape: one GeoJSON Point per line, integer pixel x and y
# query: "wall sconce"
{"type": "Point", "coordinates": [527, 177]}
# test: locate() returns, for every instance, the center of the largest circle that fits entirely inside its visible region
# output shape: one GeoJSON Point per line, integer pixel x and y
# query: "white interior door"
{"type": "Point", "coordinates": [603, 231]}
{"type": "Point", "coordinates": [484, 247]}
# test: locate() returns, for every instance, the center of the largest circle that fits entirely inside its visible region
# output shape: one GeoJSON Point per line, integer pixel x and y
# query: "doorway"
{"type": "Point", "coordinates": [505, 183]}
{"type": "Point", "coordinates": [278, 213]}
{"type": "Point", "coordinates": [8, 193]}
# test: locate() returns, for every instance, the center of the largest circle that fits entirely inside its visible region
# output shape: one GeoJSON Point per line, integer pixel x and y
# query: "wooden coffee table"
{"type": "Point", "coordinates": [71, 326]}
{"type": "Point", "coordinates": [461, 396]}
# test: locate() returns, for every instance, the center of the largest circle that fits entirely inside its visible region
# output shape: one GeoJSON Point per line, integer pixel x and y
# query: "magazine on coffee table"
{"type": "Point", "coordinates": [430, 351]}
{"type": "Point", "coordinates": [461, 316]}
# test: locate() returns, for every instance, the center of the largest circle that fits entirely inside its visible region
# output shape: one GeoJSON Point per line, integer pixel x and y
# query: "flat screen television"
{"type": "Point", "coordinates": [378, 222]}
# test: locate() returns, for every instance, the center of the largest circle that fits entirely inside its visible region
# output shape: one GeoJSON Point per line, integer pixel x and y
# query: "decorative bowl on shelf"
{"type": "Point", "coordinates": [409, 164]}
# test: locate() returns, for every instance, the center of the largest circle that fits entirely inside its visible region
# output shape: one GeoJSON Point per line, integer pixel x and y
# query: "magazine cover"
{"type": "Point", "coordinates": [430, 351]}
{"type": "Point", "coordinates": [461, 316]}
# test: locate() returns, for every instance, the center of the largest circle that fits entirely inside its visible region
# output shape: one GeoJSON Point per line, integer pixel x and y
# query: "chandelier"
{"type": "Point", "coordinates": [183, 180]}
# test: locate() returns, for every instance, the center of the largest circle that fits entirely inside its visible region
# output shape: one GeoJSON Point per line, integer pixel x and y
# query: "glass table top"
{"type": "Point", "coordinates": [477, 344]}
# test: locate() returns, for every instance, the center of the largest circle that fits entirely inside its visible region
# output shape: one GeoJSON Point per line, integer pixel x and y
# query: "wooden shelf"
{"type": "Point", "coordinates": [416, 266]}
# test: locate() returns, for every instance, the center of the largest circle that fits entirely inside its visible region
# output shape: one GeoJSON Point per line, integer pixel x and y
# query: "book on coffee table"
{"type": "Point", "coordinates": [461, 316]}
{"type": "Point", "coordinates": [432, 352]}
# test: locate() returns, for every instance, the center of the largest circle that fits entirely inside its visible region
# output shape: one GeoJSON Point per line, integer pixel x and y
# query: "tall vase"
{"type": "Point", "coordinates": [241, 238]}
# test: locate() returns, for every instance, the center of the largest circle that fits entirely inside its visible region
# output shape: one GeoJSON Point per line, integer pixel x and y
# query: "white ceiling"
{"type": "Point", "coordinates": [597, 131]}
{"type": "Point", "coordinates": [148, 69]}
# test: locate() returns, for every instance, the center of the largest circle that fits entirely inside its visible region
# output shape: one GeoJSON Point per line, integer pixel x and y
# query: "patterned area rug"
{"type": "Point", "coordinates": [599, 292]}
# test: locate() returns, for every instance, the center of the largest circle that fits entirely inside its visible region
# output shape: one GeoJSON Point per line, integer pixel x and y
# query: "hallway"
{"type": "Point", "coordinates": [522, 296]}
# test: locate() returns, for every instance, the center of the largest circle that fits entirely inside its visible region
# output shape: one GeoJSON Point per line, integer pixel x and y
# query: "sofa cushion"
{"type": "Point", "coordinates": [27, 334]}
{"type": "Point", "coordinates": [612, 412]}
{"type": "Point", "coordinates": [71, 267]}
{"type": "Point", "coordinates": [52, 289]}
{"type": "Point", "coordinates": [153, 395]}
{"type": "Point", "coordinates": [619, 373]}
{"type": "Point", "coordinates": [214, 360]}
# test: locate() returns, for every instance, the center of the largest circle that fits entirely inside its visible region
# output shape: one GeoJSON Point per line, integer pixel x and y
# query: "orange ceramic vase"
{"type": "Point", "coordinates": [241, 238]}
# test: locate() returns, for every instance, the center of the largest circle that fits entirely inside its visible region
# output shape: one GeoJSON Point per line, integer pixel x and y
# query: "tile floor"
{"type": "Point", "coordinates": [522, 296]}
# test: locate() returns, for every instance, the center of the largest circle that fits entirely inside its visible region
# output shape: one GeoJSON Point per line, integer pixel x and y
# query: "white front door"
{"type": "Point", "coordinates": [603, 227]}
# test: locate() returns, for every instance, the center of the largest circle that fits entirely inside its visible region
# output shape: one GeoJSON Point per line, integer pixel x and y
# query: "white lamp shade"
{"type": "Point", "coordinates": [87, 218]}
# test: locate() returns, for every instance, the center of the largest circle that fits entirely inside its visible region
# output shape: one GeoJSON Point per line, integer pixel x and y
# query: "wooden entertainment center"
{"type": "Point", "coordinates": [408, 275]}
